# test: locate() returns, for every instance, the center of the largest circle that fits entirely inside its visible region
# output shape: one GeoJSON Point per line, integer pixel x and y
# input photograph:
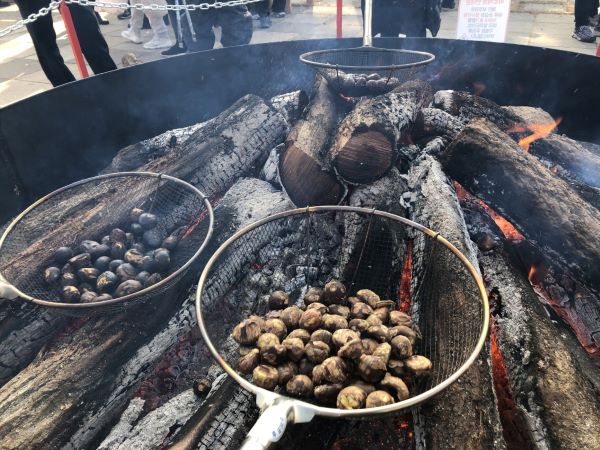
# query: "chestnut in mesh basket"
{"type": "Point", "coordinates": [306, 248]}
{"type": "Point", "coordinates": [104, 212]}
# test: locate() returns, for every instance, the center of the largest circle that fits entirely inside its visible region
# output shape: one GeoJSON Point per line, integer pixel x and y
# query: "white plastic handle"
{"type": "Point", "coordinates": [271, 424]}
{"type": "Point", "coordinates": [368, 24]}
{"type": "Point", "coordinates": [7, 291]}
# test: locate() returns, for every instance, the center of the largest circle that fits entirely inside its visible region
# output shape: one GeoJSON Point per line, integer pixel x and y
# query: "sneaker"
{"type": "Point", "coordinates": [132, 36]}
{"type": "Point", "coordinates": [584, 33]}
{"type": "Point", "coordinates": [175, 50]}
{"type": "Point", "coordinates": [161, 41]}
{"type": "Point", "coordinates": [255, 17]}
{"type": "Point", "coordinates": [265, 22]}
{"type": "Point", "coordinates": [124, 15]}
{"type": "Point", "coordinates": [279, 15]}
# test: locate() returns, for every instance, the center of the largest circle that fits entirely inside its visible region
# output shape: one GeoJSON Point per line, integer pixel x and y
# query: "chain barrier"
{"type": "Point", "coordinates": [123, 5]}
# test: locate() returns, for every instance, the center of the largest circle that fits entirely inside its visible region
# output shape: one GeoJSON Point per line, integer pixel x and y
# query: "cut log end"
{"type": "Point", "coordinates": [365, 158]}
{"type": "Point", "coordinates": [319, 186]}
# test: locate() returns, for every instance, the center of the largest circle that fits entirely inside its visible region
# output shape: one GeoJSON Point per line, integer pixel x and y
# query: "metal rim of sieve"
{"type": "Point", "coordinates": [334, 412]}
{"type": "Point", "coordinates": [146, 291]}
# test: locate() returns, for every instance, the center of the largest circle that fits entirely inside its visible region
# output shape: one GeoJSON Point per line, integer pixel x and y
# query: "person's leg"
{"type": "Point", "coordinates": [583, 32]}
{"type": "Point", "coordinates": [93, 45]}
{"type": "Point", "coordinates": [44, 41]}
{"type": "Point", "coordinates": [412, 19]}
{"type": "Point", "coordinates": [202, 22]}
{"type": "Point", "coordinates": [264, 13]}
{"type": "Point", "coordinates": [161, 38]}
{"type": "Point", "coordinates": [278, 8]}
{"type": "Point", "coordinates": [134, 32]}
{"type": "Point", "coordinates": [236, 26]}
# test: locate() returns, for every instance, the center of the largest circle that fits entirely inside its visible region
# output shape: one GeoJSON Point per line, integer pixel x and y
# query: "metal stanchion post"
{"type": "Point", "coordinates": [73, 39]}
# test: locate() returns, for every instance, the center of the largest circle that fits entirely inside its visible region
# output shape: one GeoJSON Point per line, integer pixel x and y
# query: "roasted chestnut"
{"type": "Point", "coordinates": [278, 300]}
{"type": "Point", "coordinates": [126, 272]}
{"type": "Point", "coordinates": [332, 322]}
{"type": "Point", "coordinates": [378, 398]}
{"type": "Point", "coordinates": [401, 347]}
{"type": "Point", "coordinates": [63, 254]}
{"type": "Point", "coordinates": [367, 387]}
{"type": "Point", "coordinates": [105, 240]}
{"type": "Point", "coordinates": [88, 297]}
{"type": "Point", "coordinates": [317, 351]}
{"type": "Point", "coordinates": [310, 319]}
{"type": "Point", "coordinates": [418, 365]}
{"type": "Point", "coordinates": [86, 287]}
{"type": "Point", "coordinates": [134, 257]}
{"type": "Point", "coordinates": [334, 292]}
{"type": "Point", "coordinates": [399, 318]}
{"type": "Point", "coordinates": [313, 295]}
{"type": "Point", "coordinates": [265, 377]}
{"type": "Point", "coordinates": [305, 367]}
{"type": "Point", "coordinates": [148, 264]}
{"type": "Point", "coordinates": [103, 297]}
{"type": "Point", "coordinates": [88, 274]}
{"type": "Point", "coordinates": [343, 336]}
{"type": "Point", "coordinates": [51, 275]}
{"type": "Point", "coordinates": [87, 246]}
{"type": "Point", "coordinates": [101, 250]}
{"type": "Point", "coordinates": [136, 229]}
{"type": "Point", "coordinates": [336, 370]}
{"type": "Point", "coordinates": [300, 334]}
{"type": "Point", "coordinates": [378, 332]}
{"type": "Point", "coordinates": [248, 331]}
{"type": "Point", "coordinates": [68, 279]}
{"type": "Point", "coordinates": [117, 235]}
{"type": "Point", "coordinates": [135, 214]}
{"type": "Point", "coordinates": [318, 306]}
{"type": "Point", "coordinates": [170, 242]}
{"type": "Point", "coordinates": [396, 367]}
{"type": "Point", "coordinates": [361, 310]}
{"type": "Point", "coordinates": [402, 330]}
{"type": "Point", "coordinates": [107, 281]}
{"type": "Point", "coordinates": [117, 250]}
{"type": "Point", "coordinates": [369, 297]}
{"type": "Point", "coordinates": [294, 348]}
{"type": "Point", "coordinates": [339, 310]}
{"type": "Point", "coordinates": [351, 397]}
{"type": "Point", "coordinates": [142, 277]}
{"type": "Point", "coordinates": [71, 294]}
{"type": "Point", "coordinates": [275, 326]}
{"type": "Point", "coordinates": [287, 371]}
{"type": "Point", "coordinates": [273, 354]}
{"type": "Point", "coordinates": [102, 263]}
{"type": "Point", "coordinates": [128, 287]}
{"type": "Point", "coordinates": [147, 221]}
{"type": "Point", "coordinates": [152, 238]}
{"type": "Point", "coordinates": [369, 345]}
{"type": "Point", "coordinates": [321, 335]}
{"type": "Point", "coordinates": [383, 351]}
{"type": "Point", "coordinates": [80, 261]}
{"type": "Point", "coordinates": [359, 325]}
{"type": "Point", "coordinates": [114, 264]}
{"type": "Point", "coordinates": [299, 386]}
{"type": "Point", "coordinates": [162, 258]}
{"type": "Point", "coordinates": [396, 386]}
{"type": "Point", "coordinates": [291, 316]}
{"type": "Point", "coordinates": [153, 279]}
{"type": "Point", "coordinates": [371, 368]}
{"type": "Point", "coordinates": [327, 393]}
{"type": "Point", "coordinates": [352, 349]}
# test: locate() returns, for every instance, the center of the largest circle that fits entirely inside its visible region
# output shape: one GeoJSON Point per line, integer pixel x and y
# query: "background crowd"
{"type": "Point", "coordinates": [190, 31]}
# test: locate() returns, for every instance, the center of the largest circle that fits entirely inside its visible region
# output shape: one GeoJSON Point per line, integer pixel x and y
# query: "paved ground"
{"type": "Point", "coordinates": [21, 76]}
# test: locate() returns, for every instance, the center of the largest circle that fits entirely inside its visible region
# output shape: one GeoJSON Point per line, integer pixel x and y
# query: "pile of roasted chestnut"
{"type": "Point", "coordinates": [122, 263]}
{"type": "Point", "coordinates": [373, 84]}
{"type": "Point", "coordinates": [355, 352]}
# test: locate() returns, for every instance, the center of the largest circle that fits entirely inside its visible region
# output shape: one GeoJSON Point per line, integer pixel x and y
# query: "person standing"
{"type": "Point", "coordinates": [161, 38]}
{"type": "Point", "coordinates": [584, 11]}
{"type": "Point", "coordinates": [93, 45]}
{"type": "Point", "coordinates": [409, 17]}
{"type": "Point", "coordinates": [264, 13]}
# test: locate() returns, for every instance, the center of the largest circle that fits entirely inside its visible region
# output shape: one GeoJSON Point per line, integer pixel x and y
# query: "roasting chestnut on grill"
{"type": "Point", "coordinates": [121, 263]}
{"type": "Point", "coordinates": [352, 352]}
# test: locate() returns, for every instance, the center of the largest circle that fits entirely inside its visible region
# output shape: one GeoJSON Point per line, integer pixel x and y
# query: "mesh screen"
{"type": "Point", "coordinates": [89, 211]}
{"type": "Point", "coordinates": [363, 251]}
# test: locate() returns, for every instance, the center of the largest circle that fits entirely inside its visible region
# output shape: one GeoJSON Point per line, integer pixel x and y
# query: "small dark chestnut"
{"type": "Point", "coordinates": [68, 279]}
{"type": "Point", "coordinates": [106, 282]}
{"type": "Point", "coordinates": [102, 263]}
{"type": "Point", "coordinates": [162, 257]}
{"type": "Point", "coordinates": [126, 272]}
{"type": "Point", "coordinates": [88, 297]}
{"type": "Point", "coordinates": [170, 242]}
{"type": "Point", "coordinates": [71, 294]}
{"type": "Point", "coordinates": [63, 254]}
{"type": "Point", "coordinates": [148, 264]}
{"type": "Point", "coordinates": [118, 249]}
{"type": "Point", "coordinates": [88, 274]}
{"type": "Point", "coordinates": [153, 238]}
{"type": "Point", "coordinates": [134, 257]}
{"type": "Point", "coordinates": [142, 277]}
{"type": "Point", "coordinates": [153, 279]}
{"type": "Point", "coordinates": [136, 229]}
{"type": "Point", "coordinates": [51, 275]}
{"type": "Point", "coordinates": [128, 287]}
{"type": "Point", "coordinates": [80, 261]}
{"type": "Point", "coordinates": [114, 264]}
{"type": "Point", "coordinates": [147, 221]}
{"type": "Point", "coordinates": [117, 235]}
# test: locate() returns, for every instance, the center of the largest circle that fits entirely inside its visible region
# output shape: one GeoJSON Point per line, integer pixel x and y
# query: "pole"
{"type": "Point", "coordinates": [338, 19]}
{"type": "Point", "coordinates": [73, 39]}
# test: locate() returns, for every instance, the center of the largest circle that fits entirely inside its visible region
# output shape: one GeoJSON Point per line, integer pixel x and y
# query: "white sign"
{"type": "Point", "coordinates": [483, 20]}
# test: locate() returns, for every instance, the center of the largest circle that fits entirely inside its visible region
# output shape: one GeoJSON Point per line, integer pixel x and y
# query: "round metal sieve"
{"type": "Point", "coordinates": [450, 306]}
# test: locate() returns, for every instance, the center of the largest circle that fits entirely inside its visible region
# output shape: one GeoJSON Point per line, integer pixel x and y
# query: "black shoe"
{"type": "Point", "coordinates": [175, 50]}
{"type": "Point", "coordinates": [146, 24]}
{"type": "Point", "coordinates": [125, 15]}
{"type": "Point", "coordinates": [100, 20]}
{"type": "Point", "coordinates": [584, 33]}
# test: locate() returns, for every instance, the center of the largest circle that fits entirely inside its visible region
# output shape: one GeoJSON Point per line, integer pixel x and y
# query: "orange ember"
{"type": "Point", "coordinates": [539, 130]}
{"type": "Point", "coordinates": [201, 217]}
{"type": "Point", "coordinates": [507, 228]}
{"type": "Point", "coordinates": [405, 281]}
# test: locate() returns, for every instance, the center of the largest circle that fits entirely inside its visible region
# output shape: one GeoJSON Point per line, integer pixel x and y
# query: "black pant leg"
{"type": "Point", "coordinates": [44, 41]}
{"type": "Point", "coordinates": [202, 21]}
{"type": "Point", "coordinates": [278, 6]}
{"type": "Point", "coordinates": [236, 25]}
{"type": "Point", "coordinates": [93, 45]}
{"type": "Point", "coordinates": [583, 9]}
{"type": "Point", "coordinates": [262, 8]}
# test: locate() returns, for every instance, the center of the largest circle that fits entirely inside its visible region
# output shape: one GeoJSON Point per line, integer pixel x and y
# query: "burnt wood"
{"type": "Point", "coordinates": [517, 185]}
{"type": "Point", "coordinates": [365, 146]}
{"type": "Point", "coordinates": [304, 168]}
{"type": "Point", "coordinates": [465, 415]}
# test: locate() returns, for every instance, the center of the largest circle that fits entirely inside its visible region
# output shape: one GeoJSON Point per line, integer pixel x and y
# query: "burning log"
{"type": "Point", "coordinates": [445, 422]}
{"type": "Point", "coordinates": [291, 105]}
{"type": "Point", "coordinates": [553, 383]}
{"type": "Point", "coordinates": [467, 107]}
{"type": "Point", "coordinates": [553, 217]}
{"type": "Point", "coordinates": [365, 147]}
{"type": "Point", "coordinates": [304, 169]}
{"type": "Point", "coordinates": [431, 122]}
{"type": "Point", "coordinates": [529, 116]}
{"type": "Point", "coordinates": [573, 162]}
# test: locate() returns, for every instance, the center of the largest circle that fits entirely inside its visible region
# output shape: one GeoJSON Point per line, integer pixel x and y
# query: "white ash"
{"type": "Point", "coordinates": [443, 100]}
{"type": "Point", "coordinates": [529, 115]}
{"type": "Point", "coordinates": [270, 172]}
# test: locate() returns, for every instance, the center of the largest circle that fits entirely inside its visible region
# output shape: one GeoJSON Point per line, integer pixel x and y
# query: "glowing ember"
{"type": "Point", "coordinates": [214, 202]}
{"type": "Point", "coordinates": [539, 130]}
{"type": "Point", "coordinates": [507, 228]}
{"type": "Point", "coordinates": [405, 291]}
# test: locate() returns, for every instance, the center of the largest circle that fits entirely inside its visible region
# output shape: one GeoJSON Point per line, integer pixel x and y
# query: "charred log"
{"type": "Point", "coordinates": [553, 217]}
{"type": "Point", "coordinates": [432, 122]}
{"type": "Point", "coordinates": [573, 162]}
{"type": "Point", "coordinates": [553, 382]}
{"type": "Point", "coordinates": [365, 147]}
{"type": "Point", "coordinates": [304, 169]}
{"type": "Point", "coordinates": [290, 105]}
{"type": "Point", "coordinates": [445, 422]}
{"type": "Point", "coordinates": [529, 116]}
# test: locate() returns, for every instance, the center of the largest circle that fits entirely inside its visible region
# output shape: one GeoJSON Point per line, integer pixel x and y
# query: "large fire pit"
{"type": "Point", "coordinates": [462, 152]}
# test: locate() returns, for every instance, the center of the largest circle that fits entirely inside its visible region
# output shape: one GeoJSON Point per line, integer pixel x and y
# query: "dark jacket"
{"type": "Point", "coordinates": [409, 17]}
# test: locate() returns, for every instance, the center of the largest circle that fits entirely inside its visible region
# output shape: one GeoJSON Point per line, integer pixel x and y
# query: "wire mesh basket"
{"type": "Point", "coordinates": [367, 70]}
{"type": "Point", "coordinates": [365, 249]}
{"type": "Point", "coordinates": [89, 210]}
